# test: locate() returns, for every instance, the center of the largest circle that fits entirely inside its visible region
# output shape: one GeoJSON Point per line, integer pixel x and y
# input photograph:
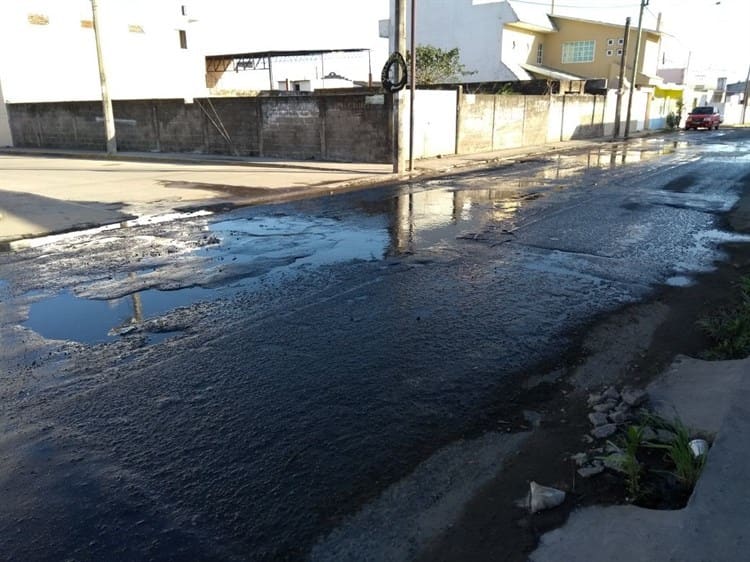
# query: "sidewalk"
{"type": "Point", "coordinates": [44, 191]}
{"type": "Point", "coordinates": [708, 396]}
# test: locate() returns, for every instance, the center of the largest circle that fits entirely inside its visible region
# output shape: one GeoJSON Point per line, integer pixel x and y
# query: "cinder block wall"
{"type": "Point", "coordinates": [351, 127]}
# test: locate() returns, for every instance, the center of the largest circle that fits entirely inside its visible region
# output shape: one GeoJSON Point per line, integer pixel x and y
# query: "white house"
{"type": "Point", "coordinates": [476, 27]}
{"type": "Point", "coordinates": [49, 51]}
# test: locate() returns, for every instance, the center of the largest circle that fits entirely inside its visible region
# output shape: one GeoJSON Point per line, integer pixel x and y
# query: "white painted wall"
{"type": "Point", "coordinates": [475, 28]}
{"type": "Point", "coordinates": [57, 61]}
{"type": "Point", "coordinates": [5, 137]}
{"type": "Point", "coordinates": [516, 50]}
{"type": "Point", "coordinates": [434, 122]}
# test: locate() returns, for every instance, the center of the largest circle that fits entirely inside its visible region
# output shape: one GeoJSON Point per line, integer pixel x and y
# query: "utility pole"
{"type": "Point", "coordinates": [618, 109]}
{"type": "Point", "coordinates": [398, 97]}
{"type": "Point", "coordinates": [109, 117]}
{"type": "Point", "coordinates": [644, 3]}
{"type": "Point", "coordinates": [744, 101]}
{"type": "Point", "coordinates": [412, 82]}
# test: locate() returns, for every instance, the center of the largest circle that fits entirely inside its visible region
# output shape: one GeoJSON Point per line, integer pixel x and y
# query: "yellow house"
{"type": "Point", "coordinates": [581, 49]}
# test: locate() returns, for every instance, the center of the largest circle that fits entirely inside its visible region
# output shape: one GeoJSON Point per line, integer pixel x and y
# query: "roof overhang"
{"type": "Point", "coordinates": [551, 73]}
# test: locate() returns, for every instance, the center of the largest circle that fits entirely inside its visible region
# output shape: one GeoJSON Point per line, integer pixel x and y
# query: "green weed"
{"type": "Point", "coordinates": [687, 467]}
{"type": "Point", "coordinates": [730, 331]}
{"type": "Point", "coordinates": [625, 459]}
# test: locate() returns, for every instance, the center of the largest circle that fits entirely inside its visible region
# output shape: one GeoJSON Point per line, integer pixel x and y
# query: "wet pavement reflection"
{"type": "Point", "coordinates": [332, 344]}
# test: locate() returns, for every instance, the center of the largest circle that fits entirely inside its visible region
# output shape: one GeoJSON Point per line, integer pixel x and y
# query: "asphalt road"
{"type": "Point", "coordinates": [246, 386]}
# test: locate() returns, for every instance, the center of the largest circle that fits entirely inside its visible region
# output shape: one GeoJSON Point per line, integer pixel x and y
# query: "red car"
{"type": "Point", "coordinates": [704, 116]}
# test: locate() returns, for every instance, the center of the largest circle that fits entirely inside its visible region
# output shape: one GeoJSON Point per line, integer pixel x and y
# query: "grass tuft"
{"type": "Point", "coordinates": [729, 331]}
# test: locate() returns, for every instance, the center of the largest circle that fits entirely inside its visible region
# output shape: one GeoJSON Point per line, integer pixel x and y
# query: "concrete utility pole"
{"type": "Point", "coordinates": [618, 109]}
{"type": "Point", "coordinates": [399, 109]}
{"type": "Point", "coordinates": [412, 82]}
{"type": "Point", "coordinates": [109, 116]}
{"type": "Point", "coordinates": [744, 100]}
{"type": "Point", "coordinates": [633, 75]}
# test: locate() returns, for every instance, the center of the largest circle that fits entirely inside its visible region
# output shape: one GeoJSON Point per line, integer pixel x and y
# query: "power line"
{"type": "Point", "coordinates": [580, 6]}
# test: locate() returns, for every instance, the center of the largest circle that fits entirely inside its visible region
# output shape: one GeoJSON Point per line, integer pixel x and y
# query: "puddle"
{"type": "Point", "coordinates": [679, 281]}
{"type": "Point", "coordinates": [68, 317]}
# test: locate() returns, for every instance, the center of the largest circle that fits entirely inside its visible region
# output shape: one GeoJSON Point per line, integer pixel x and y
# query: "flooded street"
{"type": "Point", "coordinates": [245, 386]}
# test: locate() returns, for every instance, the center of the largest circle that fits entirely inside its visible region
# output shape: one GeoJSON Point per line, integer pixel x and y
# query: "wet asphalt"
{"type": "Point", "coordinates": [236, 386]}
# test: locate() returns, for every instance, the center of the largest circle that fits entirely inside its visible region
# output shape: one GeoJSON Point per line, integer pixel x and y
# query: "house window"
{"type": "Point", "coordinates": [183, 39]}
{"type": "Point", "coordinates": [609, 52]}
{"type": "Point", "coordinates": [578, 51]}
{"type": "Point", "coordinates": [619, 52]}
{"type": "Point", "coordinates": [620, 41]}
{"type": "Point", "coordinates": [539, 53]}
{"type": "Point", "coordinates": [183, 10]}
{"type": "Point", "coordinates": [610, 42]}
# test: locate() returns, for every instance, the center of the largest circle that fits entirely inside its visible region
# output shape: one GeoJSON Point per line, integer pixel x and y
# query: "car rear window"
{"type": "Point", "coordinates": [703, 110]}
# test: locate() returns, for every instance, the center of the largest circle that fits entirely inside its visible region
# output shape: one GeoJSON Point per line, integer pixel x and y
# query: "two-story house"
{"type": "Point", "coordinates": [507, 41]}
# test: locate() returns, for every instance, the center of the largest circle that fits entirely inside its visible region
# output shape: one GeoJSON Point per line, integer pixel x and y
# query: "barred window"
{"type": "Point", "coordinates": [578, 51]}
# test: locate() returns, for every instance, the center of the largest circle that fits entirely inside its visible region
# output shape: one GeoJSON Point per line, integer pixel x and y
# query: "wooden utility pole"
{"type": "Point", "coordinates": [618, 109]}
{"type": "Point", "coordinates": [109, 116]}
{"type": "Point", "coordinates": [634, 74]}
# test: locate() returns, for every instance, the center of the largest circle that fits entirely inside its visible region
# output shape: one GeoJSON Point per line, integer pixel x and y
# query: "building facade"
{"type": "Point", "coordinates": [49, 50]}
{"type": "Point", "coordinates": [507, 41]}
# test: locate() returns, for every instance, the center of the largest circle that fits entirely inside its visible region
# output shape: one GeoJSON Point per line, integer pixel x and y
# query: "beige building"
{"type": "Point", "coordinates": [593, 50]}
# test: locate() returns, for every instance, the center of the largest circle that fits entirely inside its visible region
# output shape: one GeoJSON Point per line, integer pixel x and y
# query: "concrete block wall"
{"type": "Point", "coordinates": [292, 128]}
{"type": "Point", "coordinates": [336, 127]}
{"type": "Point", "coordinates": [357, 126]}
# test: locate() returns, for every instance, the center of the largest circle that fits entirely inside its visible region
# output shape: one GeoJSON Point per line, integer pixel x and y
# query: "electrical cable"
{"type": "Point", "coordinates": [395, 60]}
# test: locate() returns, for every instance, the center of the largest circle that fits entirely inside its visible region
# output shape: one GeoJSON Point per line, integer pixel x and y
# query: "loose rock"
{"type": "Point", "coordinates": [598, 419]}
{"type": "Point", "coordinates": [605, 407]}
{"type": "Point", "coordinates": [589, 471]}
{"type": "Point", "coordinates": [604, 431]}
{"type": "Point", "coordinates": [619, 417]}
{"type": "Point", "coordinates": [580, 458]}
{"type": "Point", "coordinates": [612, 393]}
{"type": "Point", "coordinates": [595, 398]}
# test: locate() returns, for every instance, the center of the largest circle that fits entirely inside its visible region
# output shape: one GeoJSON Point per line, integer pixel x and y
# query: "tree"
{"type": "Point", "coordinates": [436, 66]}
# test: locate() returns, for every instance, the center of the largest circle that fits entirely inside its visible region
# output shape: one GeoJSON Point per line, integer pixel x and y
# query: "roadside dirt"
{"type": "Point", "coordinates": [628, 348]}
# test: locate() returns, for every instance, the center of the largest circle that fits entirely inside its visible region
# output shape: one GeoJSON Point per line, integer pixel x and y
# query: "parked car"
{"type": "Point", "coordinates": [703, 116]}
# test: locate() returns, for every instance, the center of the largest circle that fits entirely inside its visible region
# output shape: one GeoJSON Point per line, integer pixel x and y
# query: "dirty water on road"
{"type": "Point", "coordinates": [318, 351]}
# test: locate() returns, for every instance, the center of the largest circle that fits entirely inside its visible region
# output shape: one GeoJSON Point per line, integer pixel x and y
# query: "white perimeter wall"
{"type": "Point", "coordinates": [434, 122]}
{"type": "Point", "coordinates": [5, 136]}
{"type": "Point", "coordinates": [57, 61]}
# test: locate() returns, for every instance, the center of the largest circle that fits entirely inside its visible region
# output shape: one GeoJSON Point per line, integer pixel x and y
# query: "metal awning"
{"type": "Point", "coordinates": [261, 60]}
{"type": "Point", "coordinates": [547, 72]}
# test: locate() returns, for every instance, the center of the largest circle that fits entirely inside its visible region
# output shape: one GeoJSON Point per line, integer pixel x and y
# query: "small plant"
{"type": "Point", "coordinates": [730, 331]}
{"type": "Point", "coordinates": [625, 459]}
{"type": "Point", "coordinates": [687, 467]}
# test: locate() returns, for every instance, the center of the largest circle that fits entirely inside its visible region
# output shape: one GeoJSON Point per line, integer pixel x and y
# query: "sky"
{"type": "Point", "coordinates": [712, 33]}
